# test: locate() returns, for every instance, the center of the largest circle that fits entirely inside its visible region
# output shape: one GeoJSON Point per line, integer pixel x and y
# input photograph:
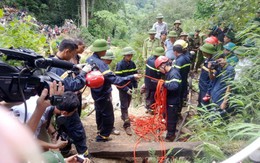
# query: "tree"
{"type": "Point", "coordinates": [83, 12]}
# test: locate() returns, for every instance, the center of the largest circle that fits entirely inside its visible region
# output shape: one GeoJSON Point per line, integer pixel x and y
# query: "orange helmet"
{"type": "Point", "coordinates": [211, 40]}
{"type": "Point", "coordinates": [94, 79]}
{"type": "Point", "coordinates": [160, 60]}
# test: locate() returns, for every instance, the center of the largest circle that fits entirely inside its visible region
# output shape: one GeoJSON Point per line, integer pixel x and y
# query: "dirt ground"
{"type": "Point", "coordinates": [89, 123]}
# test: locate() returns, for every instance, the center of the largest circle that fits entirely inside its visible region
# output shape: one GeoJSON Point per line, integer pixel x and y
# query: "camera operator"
{"type": "Point", "coordinates": [208, 50]}
{"type": "Point", "coordinates": [67, 50]}
{"type": "Point", "coordinates": [220, 84]}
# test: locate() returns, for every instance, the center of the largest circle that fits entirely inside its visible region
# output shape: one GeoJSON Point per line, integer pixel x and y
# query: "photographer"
{"type": "Point", "coordinates": [208, 50]}
{"type": "Point", "coordinates": [69, 124]}
{"type": "Point", "coordinates": [220, 84]}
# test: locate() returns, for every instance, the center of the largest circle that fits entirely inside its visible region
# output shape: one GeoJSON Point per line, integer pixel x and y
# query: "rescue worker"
{"type": "Point", "coordinates": [67, 50]}
{"type": "Point", "coordinates": [152, 75]}
{"type": "Point", "coordinates": [177, 27]}
{"type": "Point", "coordinates": [108, 58]}
{"type": "Point", "coordinates": [172, 84]}
{"type": "Point", "coordinates": [208, 51]}
{"type": "Point", "coordinates": [124, 68]}
{"type": "Point", "coordinates": [182, 63]}
{"type": "Point", "coordinates": [230, 56]}
{"type": "Point", "coordinates": [160, 26]}
{"type": "Point", "coordinates": [150, 44]}
{"type": "Point", "coordinates": [102, 95]}
{"type": "Point", "coordinates": [172, 36]}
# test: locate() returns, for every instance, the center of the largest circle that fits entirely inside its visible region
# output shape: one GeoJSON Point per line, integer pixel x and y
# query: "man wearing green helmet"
{"type": "Point", "coordinates": [151, 76]}
{"type": "Point", "coordinates": [102, 95]}
{"type": "Point", "coordinates": [108, 57]}
{"type": "Point", "coordinates": [124, 68]}
{"type": "Point", "coordinates": [176, 27]}
{"type": "Point", "coordinates": [208, 50]}
{"type": "Point", "coordinates": [150, 44]}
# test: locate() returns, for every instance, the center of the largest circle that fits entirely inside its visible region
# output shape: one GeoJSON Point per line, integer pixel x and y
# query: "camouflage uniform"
{"type": "Point", "coordinates": [150, 45]}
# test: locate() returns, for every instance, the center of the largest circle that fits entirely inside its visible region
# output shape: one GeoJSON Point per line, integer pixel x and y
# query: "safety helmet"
{"type": "Point", "coordinates": [158, 51]}
{"type": "Point", "coordinates": [109, 55]}
{"type": "Point", "coordinates": [152, 32]}
{"type": "Point", "coordinates": [94, 79]}
{"type": "Point", "coordinates": [99, 45]}
{"type": "Point", "coordinates": [172, 34]}
{"type": "Point", "coordinates": [183, 34]}
{"type": "Point", "coordinates": [208, 48]}
{"type": "Point", "coordinates": [183, 43]}
{"type": "Point", "coordinates": [177, 22]}
{"type": "Point", "coordinates": [211, 40]}
{"type": "Point", "coordinates": [229, 46]}
{"type": "Point", "coordinates": [160, 60]}
{"type": "Point", "coordinates": [127, 50]}
{"type": "Point", "coordinates": [159, 16]}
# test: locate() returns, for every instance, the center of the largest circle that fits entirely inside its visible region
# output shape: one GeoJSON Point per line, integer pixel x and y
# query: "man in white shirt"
{"type": "Point", "coordinates": [160, 26]}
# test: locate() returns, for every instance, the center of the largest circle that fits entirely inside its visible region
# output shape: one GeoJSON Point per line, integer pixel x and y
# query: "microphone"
{"type": "Point", "coordinates": [46, 62]}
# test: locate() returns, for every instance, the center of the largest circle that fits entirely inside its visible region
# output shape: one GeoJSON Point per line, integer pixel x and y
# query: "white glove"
{"type": "Point", "coordinates": [87, 68]}
{"type": "Point", "coordinates": [80, 66]}
{"type": "Point", "coordinates": [130, 92]}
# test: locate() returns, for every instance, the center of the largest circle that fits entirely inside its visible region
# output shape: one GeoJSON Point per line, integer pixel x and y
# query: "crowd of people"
{"type": "Point", "coordinates": [51, 32]}
{"type": "Point", "coordinates": [169, 55]}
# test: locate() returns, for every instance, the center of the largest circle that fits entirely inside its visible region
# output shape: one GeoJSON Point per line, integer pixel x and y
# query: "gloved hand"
{"type": "Point", "coordinates": [87, 68]}
{"type": "Point", "coordinates": [130, 92]}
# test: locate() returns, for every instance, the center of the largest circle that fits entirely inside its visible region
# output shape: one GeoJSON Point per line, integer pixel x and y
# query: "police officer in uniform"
{"type": "Point", "coordinates": [150, 44]}
{"type": "Point", "coordinates": [172, 84]}
{"type": "Point", "coordinates": [152, 75]}
{"type": "Point", "coordinates": [177, 27]}
{"type": "Point", "coordinates": [102, 95]}
{"type": "Point", "coordinates": [124, 68]}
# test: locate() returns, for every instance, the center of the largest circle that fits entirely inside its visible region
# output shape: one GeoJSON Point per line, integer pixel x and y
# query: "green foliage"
{"type": "Point", "coordinates": [234, 12]}
{"type": "Point", "coordinates": [86, 36]}
{"type": "Point", "coordinates": [22, 34]}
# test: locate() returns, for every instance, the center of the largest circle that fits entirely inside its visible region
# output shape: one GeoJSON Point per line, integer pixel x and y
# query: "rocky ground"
{"type": "Point", "coordinates": [90, 123]}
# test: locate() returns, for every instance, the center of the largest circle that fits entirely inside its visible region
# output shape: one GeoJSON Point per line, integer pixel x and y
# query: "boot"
{"type": "Point", "coordinates": [115, 131]}
{"type": "Point", "coordinates": [128, 131]}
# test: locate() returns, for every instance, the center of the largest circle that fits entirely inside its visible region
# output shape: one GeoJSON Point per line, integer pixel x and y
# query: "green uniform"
{"type": "Point", "coordinates": [177, 30]}
{"type": "Point", "coordinates": [149, 47]}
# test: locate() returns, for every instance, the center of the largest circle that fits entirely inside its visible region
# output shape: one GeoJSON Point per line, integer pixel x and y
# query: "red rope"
{"type": "Point", "coordinates": [152, 127]}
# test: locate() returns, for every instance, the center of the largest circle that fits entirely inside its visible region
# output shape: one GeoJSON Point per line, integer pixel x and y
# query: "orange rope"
{"type": "Point", "coordinates": [118, 86]}
{"type": "Point", "coordinates": [152, 127]}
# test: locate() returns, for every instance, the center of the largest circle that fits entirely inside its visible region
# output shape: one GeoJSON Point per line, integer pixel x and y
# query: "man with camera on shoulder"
{"type": "Point", "coordinates": [221, 74]}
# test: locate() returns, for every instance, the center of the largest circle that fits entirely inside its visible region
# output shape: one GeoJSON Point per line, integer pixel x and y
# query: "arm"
{"type": "Point", "coordinates": [46, 145]}
{"type": "Point", "coordinates": [42, 104]}
{"type": "Point", "coordinates": [225, 101]}
{"type": "Point", "coordinates": [144, 50]}
{"type": "Point", "coordinates": [70, 83]}
{"type": "Point", "coordinates": [174, 82]}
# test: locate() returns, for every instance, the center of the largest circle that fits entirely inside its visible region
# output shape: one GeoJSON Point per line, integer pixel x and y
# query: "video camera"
{"type": "Point", "coordinates": [214, 65]}
{"type": "Point", "coordinates": [18, 83]}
